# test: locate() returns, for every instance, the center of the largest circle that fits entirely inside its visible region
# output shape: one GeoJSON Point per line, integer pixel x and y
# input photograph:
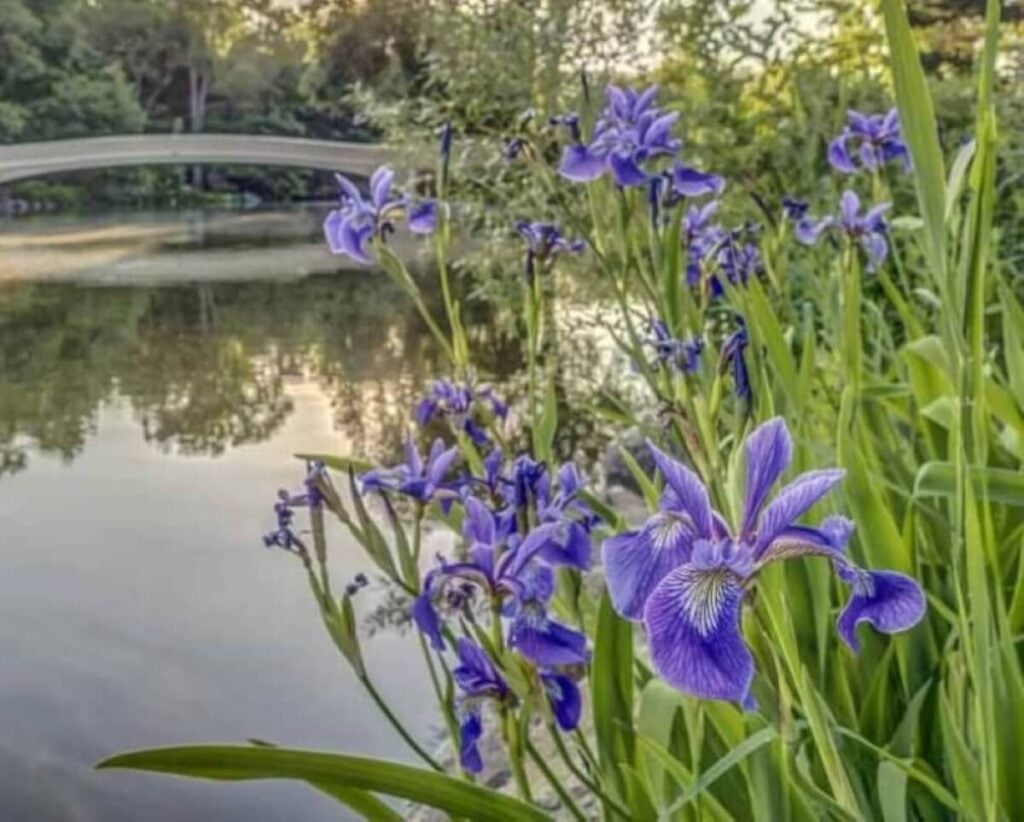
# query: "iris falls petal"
{"type": "Point", "coordinates": [693, 629]}
{"type": "Point", "coordinates": [890, 602]}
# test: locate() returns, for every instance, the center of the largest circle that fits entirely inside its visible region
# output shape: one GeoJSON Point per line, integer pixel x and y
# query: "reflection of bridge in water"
{"type": "Point", "coordinates": [25, 160]}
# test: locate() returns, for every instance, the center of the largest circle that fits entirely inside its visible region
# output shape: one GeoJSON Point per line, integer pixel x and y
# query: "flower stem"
{"type": "Point", "coordinates": [563, 794]}
{"type": "Point", "coordinates": [396, 723]}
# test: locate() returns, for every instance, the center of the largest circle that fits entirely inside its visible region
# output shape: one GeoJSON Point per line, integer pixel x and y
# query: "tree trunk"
{"type": "Point", "coordinates": [198, 90]}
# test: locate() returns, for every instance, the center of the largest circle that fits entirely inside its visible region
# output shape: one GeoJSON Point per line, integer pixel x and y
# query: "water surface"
{"type": "Point", "coordinates": [156, 375]}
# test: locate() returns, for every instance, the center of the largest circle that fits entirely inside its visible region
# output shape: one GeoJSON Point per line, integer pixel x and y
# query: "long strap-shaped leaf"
{"type": "Point", "coordinates": [332, 771]}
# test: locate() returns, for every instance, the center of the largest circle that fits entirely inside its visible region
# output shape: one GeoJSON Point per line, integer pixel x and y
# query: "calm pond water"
{"type": "Point", "coordinates": [157, 373]}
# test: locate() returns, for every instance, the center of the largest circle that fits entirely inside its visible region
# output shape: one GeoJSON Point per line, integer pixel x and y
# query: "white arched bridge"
{"type": "Point", "coordinates": [22, 161]}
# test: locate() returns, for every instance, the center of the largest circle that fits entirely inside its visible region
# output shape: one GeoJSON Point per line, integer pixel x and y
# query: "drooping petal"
{"type": "Point", "coordinates": [877, 249]}
{"type": "Point", "coordinates": [793, 501]}
{"type": "Point", "coordinates": [693, 629]}
{"type": "Point", "coordinates": [545, 641]}
{"type": "Point", "coordinates": [350, 237]}
{"type": "Point", "coordinates": [475, 674]}
{"type": "Point", "coordinates": [423, 217]}
{"type": "Point", "coordinates": [768, 452]}
{"type": "Point", "coordinates": [839, 157]}
{"type": "Point", "coordinates": [427, 620]}
{"type": "Point", "coordinates": [809, 231]}
{"type": "Point", "coordinates": [515, 561]}
{"type": "Point", "coordinates": [470, 731]}
{"type": "Point", "coordinates": [564, 696]}
{"type": "Point", "coordinates": [570, 546]}
{"type": "Point", "coordinates": [888, 601]}
{"type": "Point", "coordinates": [636, 561]}
{"type": "Point", "coordinates": [693, 183]}
{"type": "Point", "coordinates": [688, 489]}
{"type": "Point", "coordinates": [580, 164]}
{"type": "Point", "coordinates": [625, 170]}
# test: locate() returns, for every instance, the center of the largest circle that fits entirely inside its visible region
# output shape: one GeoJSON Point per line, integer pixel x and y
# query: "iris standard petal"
{"type": "Point", "coordinates": [693, 629]}
{"type": "Point", "coordinates": [380, 186]}
{"type": "Point", "coordinates": [849, 208]}
{"type": "Point", "coordinates": [889, 601]}
{"type": "Point", "coordinates": [625, 170]}
{"type": "Point", "coordinates": [689, 490]}
{"type": "Point", "coordinates": [470, 731]}
{"type": "Point", "coordinates": [768, 452]}
{"type": "Point", "coordinates": [793, 501]}
{"type": "Point", "coordinates": [580, 164]}
{"type": "Point", "coordinates": [440, 464]}
{"type": "Point", "coordinates": [479, 524]}
{"type": "Point", "coordinates": [545, 641]}
{"type": "Point", "coordinates": [564, 697]}
{"type": "Point", "coordinates": [349, 190]}
{"type": "Point", "coordinates": [427, 620]}
{"type": "Point", "coordinates": [635, 562]}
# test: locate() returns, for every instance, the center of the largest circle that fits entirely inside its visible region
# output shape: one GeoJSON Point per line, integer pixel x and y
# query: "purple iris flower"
{"type": "Point", "coordinates": [869, 229]}
{"type": "Point", "coordinates": [544, 241]}
{"type": "Point", "coordinates": [681, 356]}
{"type": "Point", "coordinates": [457, 402]}
{"type": "Point", "coordinates": [504, 567]}
{"type": "Point", "coordinates": [478, 680]}
{"type": "Point", "coordinates": [572, 517]}
{"type": "Point", "coordinates": [564, 697]}
{"type": "Point", "coordinates": [733, 358]}
{"type": "Point", "coordinates": [284, 509]}
{"type": "Point", "coordinates": [685, 572]}
{"type": "Point", "coordinates": [630, 131]}
{"type": "Point", "coordinates": [869, 141]}
{"type": "Point", "coordinates": [357, 220]}
{"type": "Point", "coordinates": [702, 238]}
{"type": "Point", "coordinates": [419, 478]}
{"type": "Point", "coordinates": [794, 209]}
{"type": "Point", "coordinates": [738, 258]}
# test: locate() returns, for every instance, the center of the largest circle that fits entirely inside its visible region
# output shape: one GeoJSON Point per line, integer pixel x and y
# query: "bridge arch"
{"type": "Point", "coordinates": [23, 161]}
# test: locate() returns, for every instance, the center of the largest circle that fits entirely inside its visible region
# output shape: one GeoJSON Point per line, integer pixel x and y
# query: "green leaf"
{"type": "Point", "coordinates": [892, 792]}
{"type": "Point", "coordinates": [612, 693]}
{"type": "Point", "coordinates": [647, 486]}
{"type": "Point", "coordinates": [547, 425]}
{"type": "Point", "coordinates": [329, 772]}
{"type": "Point", "coordinates": [957, 177]}
{"type": "Point", "coordinates": [707, 777]}
{"type": "Point", "coordinates": [917, 121]}
{"type": "Point", "coordinates": [998, 484]}
{"type": "Point", "coordinates": [338, 463]}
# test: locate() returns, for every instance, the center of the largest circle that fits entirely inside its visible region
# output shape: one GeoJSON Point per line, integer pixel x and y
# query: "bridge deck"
{"type": "Point", "coordinates": [24, 160]}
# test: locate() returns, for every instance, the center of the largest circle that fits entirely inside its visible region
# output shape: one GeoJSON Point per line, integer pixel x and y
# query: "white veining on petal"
{"type": "Point", "coordinates": [704, 593]}
{"type": "Point", "coordinates": [666, 530]}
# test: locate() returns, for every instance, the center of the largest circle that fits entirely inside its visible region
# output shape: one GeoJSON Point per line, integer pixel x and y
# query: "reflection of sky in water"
{"type": "Point", "coordinates": [143, 434]}
{"type": "Point", "coordinates": [136, 609]}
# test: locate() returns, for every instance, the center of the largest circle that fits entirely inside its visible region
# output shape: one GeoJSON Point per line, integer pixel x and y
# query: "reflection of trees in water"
{"type": "Point", "coordinates": [207, 366]}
